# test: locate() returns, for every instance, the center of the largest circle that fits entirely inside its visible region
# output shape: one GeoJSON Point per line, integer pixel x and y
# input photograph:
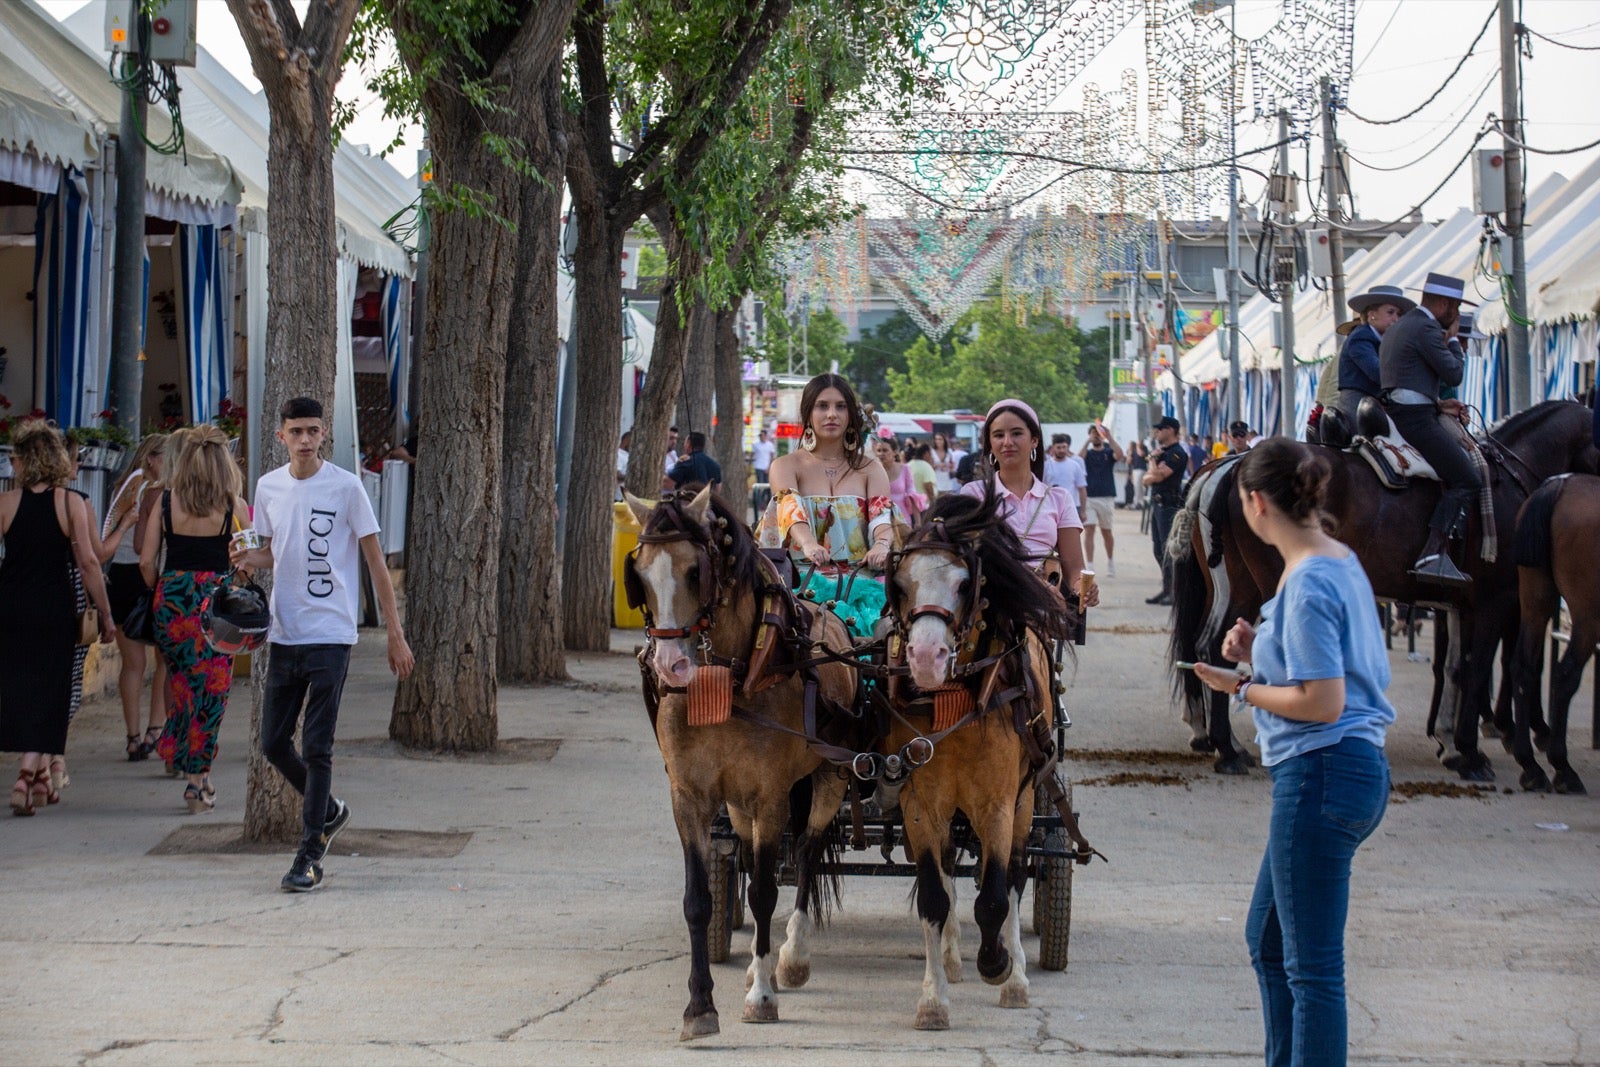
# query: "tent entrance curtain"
{"type": "Point", "coordinates": [204, 274]}
{"type": "Point", "coordinates": [395, 314]}
{"type": "Point", "coordinates": [63, 271]}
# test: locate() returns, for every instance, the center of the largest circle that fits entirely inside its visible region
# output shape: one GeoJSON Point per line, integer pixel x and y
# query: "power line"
{"type": "Point", "coordinates": [1544, 151]}
{"type": "Point", "coordinates": [1443, 140]}
{"type": "Point", "coordinates": [1379, 39]}
{"type": "Point", "coordinates": [1468, 55]}
{"type": "Point", "coordinates": [1418, 206]}
{"type": "Point", "coordinates": [1560, 44]}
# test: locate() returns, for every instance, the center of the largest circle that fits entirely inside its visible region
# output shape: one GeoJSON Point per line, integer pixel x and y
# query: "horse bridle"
{"type": "Point", "coordinates": [674, 527]}
{"type": "Point", "coordinates": [964, 627]}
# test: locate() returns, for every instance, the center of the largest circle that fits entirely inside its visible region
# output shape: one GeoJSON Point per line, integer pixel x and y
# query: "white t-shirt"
{"type": "Point", "coordinates": [761, 455]}
{"type": "Point", "coordinates": [316, 526]}
{"type": "Point", "coordinates": [1070, 474]}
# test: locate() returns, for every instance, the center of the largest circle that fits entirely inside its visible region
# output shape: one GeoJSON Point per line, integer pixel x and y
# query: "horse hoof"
{"type": "Point", "coordinates": [952, 972]}
{"type": "Point", "coordinates": [1568, 784]}
{"type": "Point", "coordinates": [933, 1017]}
{"type": "Point", "coordinates": [998, 972]}
{"type": "Point", "coordinates": [1014, 997]}
{"type": "Point", "coordinates": [700, 1026]}
{"type": "Point", "coordinates": [763, 1011]}
{"type": "Point", "coordinates": [1236, 765]}
{"type": "Point", "coordinates": [1478, 771]}
{"type": "Point", "coordinates": [793, 975]}
{"type": "Point", "coordinates": [1202, 744]}
{"type": "Point", "coordinates": [1534, 781]}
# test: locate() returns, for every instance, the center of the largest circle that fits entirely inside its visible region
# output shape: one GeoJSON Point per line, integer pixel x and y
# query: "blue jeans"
{"type": "Point", "coordinates": [1324, 804]}
{"type": "Point", "coordinates": [311, 676]}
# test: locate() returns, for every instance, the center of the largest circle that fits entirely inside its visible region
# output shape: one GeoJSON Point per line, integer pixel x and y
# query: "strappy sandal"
{"type": "Point", "coordinates": [208, 792]}
{"type": "Point", "coordinates": [61, 779]}
{"type": "Point", "coordinates": [196, 800]}
{"type": "Point", "coordinates": [136, 749]}
{"type": "Point", "coordinates": [21, 798]}
{"type": "Point", "coordinates": [148, 745]}
{"type": "Point", "coordinates": [44, 789]}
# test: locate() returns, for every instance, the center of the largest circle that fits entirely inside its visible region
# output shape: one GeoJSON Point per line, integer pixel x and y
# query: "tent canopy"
{"type": "Point", "coordinates": [32, 121]}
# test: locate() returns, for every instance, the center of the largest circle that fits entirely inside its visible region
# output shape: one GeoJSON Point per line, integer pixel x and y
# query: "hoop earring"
{"type": "Point", "coordinates": [808, 440]}
{"type": "Point", "coordinates": [851, 439]}
{"type": "Point", "coordinates": [1034, 454]}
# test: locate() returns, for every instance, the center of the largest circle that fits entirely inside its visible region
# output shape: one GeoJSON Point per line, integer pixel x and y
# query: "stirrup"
{"type": "Point", "coordinates": [1439, 569]}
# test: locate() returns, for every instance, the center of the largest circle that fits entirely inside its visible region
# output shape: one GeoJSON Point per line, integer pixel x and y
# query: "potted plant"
{"type": "Point", "coordinates": [117, 440]}
{"type": "Point", "coordinates": [230, 420]}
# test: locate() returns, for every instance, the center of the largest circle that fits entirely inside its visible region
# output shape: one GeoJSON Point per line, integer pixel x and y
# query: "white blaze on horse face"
{"type": "Point", "coordinates": [674, 658]}
{"type": "Point", "coordinates": [931, 579]}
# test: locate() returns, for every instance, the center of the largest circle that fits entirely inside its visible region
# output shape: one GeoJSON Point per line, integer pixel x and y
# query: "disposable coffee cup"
{"type": "Point", "coordinates": [246, 539]}
{"type": "Point", "coordinates": [1085, 580]}
{"type": "Point", "coordinates": [1080, 633]}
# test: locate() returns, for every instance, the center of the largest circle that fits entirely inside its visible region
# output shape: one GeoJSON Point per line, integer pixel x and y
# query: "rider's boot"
{"type": "Point", "coordinates": [1435, 566]}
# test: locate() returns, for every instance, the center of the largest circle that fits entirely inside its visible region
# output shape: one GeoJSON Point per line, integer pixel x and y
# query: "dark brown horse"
{"type": "Point", "coordinates": [736, 722]}
{"type": "Point", "coordinates": [1223, 572]}
{"type": "Point", "coordinates": [974, 620]}
{"type": "Point", "coordinates": [1555, 561]}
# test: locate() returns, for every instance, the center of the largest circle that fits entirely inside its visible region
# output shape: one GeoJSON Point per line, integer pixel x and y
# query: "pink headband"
{"type": "Point", "coordinates": [1000, 404]}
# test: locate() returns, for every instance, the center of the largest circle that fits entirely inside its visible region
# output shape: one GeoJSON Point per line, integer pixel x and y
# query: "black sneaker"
{"type": "Point", "coordinates": [305, 874]}
{"type": "Point", "coordinates": [1163, 599]}
{"type": "Point", "coordinates": [338, 821]}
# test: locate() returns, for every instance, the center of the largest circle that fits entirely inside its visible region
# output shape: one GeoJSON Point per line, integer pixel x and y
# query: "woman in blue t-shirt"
{"type": "Point", "coordinates": [1317, 694]}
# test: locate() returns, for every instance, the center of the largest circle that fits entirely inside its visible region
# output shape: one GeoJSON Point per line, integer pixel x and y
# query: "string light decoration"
{"type": "Point", "coordinates": [1004, 182]}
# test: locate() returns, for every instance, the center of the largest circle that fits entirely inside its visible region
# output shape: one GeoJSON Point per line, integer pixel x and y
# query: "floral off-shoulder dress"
{"type": "Point", "coordinates": [845, 526]}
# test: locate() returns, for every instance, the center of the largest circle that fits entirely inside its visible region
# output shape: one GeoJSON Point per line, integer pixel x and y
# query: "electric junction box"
{"type": "Point", "coordinates": [172, 30]}
{"type": "Point", "coordinates": [1283, 192]}
{"type": "Point", "coordinates": [1489, 182]}
{"type": "Point", "coordinates": [1319, 249]}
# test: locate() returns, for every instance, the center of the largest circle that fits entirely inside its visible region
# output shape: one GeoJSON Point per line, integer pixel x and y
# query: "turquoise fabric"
{"type": "Point", "coordinates": [863, 607]}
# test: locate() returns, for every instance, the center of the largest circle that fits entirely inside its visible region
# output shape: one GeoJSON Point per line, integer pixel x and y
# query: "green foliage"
{"type": "Point", "coordinates": [994, 357]}
{"type": "Point", "coordinates": [652, 262]}
{"type": "Point", "coordinates": [819, 344]}
{"type": "Point", "coordinates": [1094, 363]}
{"type": "Point", "coordinates": [880, 350]}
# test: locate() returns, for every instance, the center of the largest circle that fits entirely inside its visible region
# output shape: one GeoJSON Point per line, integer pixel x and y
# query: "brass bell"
{"type": "Point", "coordinates": [830, 604]}
{"type": "Point", "coordinates": [982, 625]}
{"type": "Point", "coordinates": [983, 605]}
{"type": "Point", "coordinates": [727, 539]}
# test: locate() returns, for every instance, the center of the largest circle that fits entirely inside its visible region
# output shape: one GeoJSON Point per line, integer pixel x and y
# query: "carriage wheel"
{"type": "Point", "coordinates": [1052, 904]}
{"type": "Point", "coordinates": [723, 878]}
{"type": "Point", "coordinates": [1042, 806]}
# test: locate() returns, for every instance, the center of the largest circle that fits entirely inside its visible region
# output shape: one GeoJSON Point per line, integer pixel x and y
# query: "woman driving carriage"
{"type": "Point", "coordinates": [830, 500]}
{"type": "Point", "coordinates": [1043, 516]}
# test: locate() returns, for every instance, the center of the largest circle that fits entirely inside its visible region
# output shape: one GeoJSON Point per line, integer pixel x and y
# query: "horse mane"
{"type": "Point", "coordinates": [1030, 602]}
{"type": "Point", "coordinates": [741, 568]}
{"type": "Point", "coordinates": [1513, 426]}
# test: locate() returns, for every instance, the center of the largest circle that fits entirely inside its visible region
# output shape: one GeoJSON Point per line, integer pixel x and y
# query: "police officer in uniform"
{"type": "Point", "coordinates": [1419, 354]}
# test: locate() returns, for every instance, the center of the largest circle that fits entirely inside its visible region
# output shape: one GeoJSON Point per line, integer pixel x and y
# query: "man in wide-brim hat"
{"type": "Point", "coordinates": [1376, 310]}
{"type": "Point", "coordinates": [1418, 355]}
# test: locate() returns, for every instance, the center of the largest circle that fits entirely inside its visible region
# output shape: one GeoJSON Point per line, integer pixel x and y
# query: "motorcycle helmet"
{"type": "Point", "coordinates": [236, 618]}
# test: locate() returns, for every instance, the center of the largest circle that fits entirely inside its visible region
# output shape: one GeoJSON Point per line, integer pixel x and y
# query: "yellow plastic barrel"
{"type": "Point", "coordinates": [624, 539]}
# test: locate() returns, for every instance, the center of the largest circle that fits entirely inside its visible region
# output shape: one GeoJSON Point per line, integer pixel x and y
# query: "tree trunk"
{"type": "Point", "coordinates": [448, 703]}
{"type": "Point", "coordinates": [302, 297]}
{"type": "Point", "coordinates": [586, 563]}
{"type": "Point", "coordinates": [531, 647]}
{"type": "Point", "coordinates": [663, 384]}
{"type": "Point", "coordinates": [728, 448]}
{"type": "Point", "coordinates": [695, 406]}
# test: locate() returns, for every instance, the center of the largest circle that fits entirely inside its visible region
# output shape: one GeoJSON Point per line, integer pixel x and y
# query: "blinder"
{"type": "Point", "coordinates": [632, 584]}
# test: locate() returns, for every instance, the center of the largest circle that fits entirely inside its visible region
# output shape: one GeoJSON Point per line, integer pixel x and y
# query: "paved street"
{"type": "Point", "coordinates": [525, 907]}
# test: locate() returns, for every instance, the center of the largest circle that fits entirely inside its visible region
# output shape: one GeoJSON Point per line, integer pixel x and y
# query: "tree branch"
{"type": "Point", "coordinates": [327, 28]}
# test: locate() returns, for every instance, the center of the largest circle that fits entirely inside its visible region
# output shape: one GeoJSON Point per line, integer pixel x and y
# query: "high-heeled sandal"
{"type": "Point", "coordinates": [208, 791]}
{"type": "Point", "coordinates": [61, 779]}
{"type": "Point", "coordinates": [148, 745]}
{"type": "Point", "coordinates": [44, 789]}
{"type": "Point", "coordinates": [136, 750]}
{"type": "Point", "coordinates": [196, 800]}
{"type": "Point", "coordinates": [21, 797]}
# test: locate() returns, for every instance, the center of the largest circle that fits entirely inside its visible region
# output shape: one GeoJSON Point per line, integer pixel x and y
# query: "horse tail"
{"type": "Point", "coordinates": [821, 855]}
{"type": "Point", "coordinates": [1532, 544]}
{"type": "Point", "coordinates": [1189, 607]}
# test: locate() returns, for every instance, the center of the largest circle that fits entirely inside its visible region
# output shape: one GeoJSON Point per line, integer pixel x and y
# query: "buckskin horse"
{"type": "Point", "coordinates": [739, 712]}
{"type": "Point", "coordinates": [1555, 561]}
{"type": "Point", "coordinates": [1221, 571]}
{"type": "Point", "coordinates": [972, 620]}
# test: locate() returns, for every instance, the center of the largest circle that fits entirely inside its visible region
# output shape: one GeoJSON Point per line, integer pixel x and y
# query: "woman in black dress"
{"type": "Point", "coordinates": [44, 533]}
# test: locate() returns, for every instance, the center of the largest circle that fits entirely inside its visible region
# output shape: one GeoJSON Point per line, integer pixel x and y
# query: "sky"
{"type": "Point", "coordinates": [1403, 51]}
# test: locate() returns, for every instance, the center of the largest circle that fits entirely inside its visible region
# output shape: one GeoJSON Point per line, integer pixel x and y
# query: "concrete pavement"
{"type": "Point", "coordinates": [526, 907]}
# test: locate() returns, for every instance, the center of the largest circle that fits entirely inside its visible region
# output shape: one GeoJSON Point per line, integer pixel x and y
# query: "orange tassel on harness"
{"type": "Point", "coordinates": [710, 696]}
{"type": "Point", "coordinates": [950, 702]}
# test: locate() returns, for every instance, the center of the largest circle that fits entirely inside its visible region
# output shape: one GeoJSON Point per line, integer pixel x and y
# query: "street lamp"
{"type": "Point", "coordinates": [1210, 7]}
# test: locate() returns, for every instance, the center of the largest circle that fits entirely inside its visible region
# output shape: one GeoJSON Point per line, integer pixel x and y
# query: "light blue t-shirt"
{"type": "Point", "coordinates": [1323, 624]}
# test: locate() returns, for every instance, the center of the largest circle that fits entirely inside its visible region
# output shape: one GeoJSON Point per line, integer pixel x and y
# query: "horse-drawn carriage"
{"type": "Point", "coordinates": [781, 736]}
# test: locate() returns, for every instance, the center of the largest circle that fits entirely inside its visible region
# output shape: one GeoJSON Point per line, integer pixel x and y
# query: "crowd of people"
{"type": "Point", "coordinates": [176, 535]}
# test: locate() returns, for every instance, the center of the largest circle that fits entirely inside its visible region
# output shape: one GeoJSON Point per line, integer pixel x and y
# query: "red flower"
{"type": "Point", "coordinates": [186, 628]}
{"type": "Point", "coordinates": [219, 674]}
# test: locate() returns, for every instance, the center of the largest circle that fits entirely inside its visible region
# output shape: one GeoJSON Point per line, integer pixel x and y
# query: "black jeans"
{"type": "Point", "coordinates": [1424, 428]}
{"type": "Point", "coordinates": [1161, 517]}
{"type": "Point", "coordinates": [312, 675]}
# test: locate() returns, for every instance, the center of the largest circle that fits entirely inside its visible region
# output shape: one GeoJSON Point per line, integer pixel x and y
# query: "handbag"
{"type": "Point", "coordinates": [88, 627]}
{"type": "Point", "coordinates": [140, 622]}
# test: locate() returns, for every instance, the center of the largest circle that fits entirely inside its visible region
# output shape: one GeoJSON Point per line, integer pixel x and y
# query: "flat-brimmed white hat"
{"type": "Point", "coordinates": [1381, 294]}
{"type": "Point", "coordinates": [1447, 287]}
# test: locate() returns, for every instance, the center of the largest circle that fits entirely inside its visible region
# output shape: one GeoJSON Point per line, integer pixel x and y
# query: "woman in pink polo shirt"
{"type": "Point", "coordinates": [1044, 516]}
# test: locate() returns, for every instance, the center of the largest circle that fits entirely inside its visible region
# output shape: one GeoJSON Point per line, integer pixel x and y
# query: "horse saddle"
{"type": "Point", "coordinates": [1377, 441]}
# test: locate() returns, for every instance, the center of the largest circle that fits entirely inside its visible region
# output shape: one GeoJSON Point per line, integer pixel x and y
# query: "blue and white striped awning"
{"type": "Point", "coordinates": [63, 271]}
{"type": "Point", "coordinates": [206, 307]}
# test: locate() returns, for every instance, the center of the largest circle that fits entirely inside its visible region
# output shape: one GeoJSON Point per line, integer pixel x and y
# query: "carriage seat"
{"type": "Point", "coordinates": [1388, 454]}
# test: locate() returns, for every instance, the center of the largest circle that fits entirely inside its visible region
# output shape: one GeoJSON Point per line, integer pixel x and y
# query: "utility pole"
{"type": "Point", "coordinates": [1333, 185]}
{"type": "Point", "coordinates": [1519, 376]}
{"type": "Point", "coordinates": [1168, 333]}
{"type": "Point", "coordinates": [1235, 382]}
{"type": "Point", "coordinates": [1285, 277]}
{"type": "Point", "coordinates": [1142, 343]}
{"type": "Point", "coordinates": [127, 265]}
